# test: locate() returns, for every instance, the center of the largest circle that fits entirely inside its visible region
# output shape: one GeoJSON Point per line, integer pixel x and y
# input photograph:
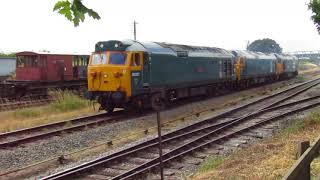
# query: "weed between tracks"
{"type": "Point", "coordinates": [67, 106]}
{"type": "Point", "coordinates": [269, 159]}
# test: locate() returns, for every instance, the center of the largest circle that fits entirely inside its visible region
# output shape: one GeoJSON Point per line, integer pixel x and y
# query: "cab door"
{"type": "Point", "coordinates": [136, 61]}
{"type": "Point", "coordinates": [146, 69]}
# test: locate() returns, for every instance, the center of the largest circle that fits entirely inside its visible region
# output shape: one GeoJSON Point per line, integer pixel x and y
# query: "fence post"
{"type": "Point", "coordinates": [302, 147]}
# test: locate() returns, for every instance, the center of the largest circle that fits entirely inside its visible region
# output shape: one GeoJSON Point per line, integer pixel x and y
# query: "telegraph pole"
{"type": "Point", "coordinates": [160, 145]}
{"type": "Point", "coordinates": [248, 43]}
{"type": "Point", "coordinates": [135, 30]}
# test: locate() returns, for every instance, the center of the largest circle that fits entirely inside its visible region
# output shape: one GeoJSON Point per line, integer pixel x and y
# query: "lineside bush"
{"type": "Point", "coordinates": [67, 101]}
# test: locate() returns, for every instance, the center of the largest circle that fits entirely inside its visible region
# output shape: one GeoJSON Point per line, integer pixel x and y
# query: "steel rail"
{"type": "Point", "coordinates": [16, 103]}
{"type": "Point", "coordinates": [40, 132]}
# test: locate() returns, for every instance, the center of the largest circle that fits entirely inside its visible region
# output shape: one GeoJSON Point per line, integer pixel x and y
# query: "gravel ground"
{"type": "Point", "coordinates": [41, 150]}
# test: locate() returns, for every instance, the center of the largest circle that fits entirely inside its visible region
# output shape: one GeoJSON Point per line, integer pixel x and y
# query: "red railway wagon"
{"type": "Point", "coordinates": [37, 72]}
{"type": "Point", "coordinates": [43, 66]}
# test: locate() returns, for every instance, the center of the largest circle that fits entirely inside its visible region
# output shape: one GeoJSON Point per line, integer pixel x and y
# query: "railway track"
{"type": "Point", "coordinates": [136, 161]}
{"type": "Point", "coordinates": [7, 104]}
{"type": "Point", "coordinates": [16, 138]}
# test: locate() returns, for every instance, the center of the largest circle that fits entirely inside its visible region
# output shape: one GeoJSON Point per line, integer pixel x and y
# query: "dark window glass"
{"type": "Point", "coordinates": [27, 61]}
{"type": "Point", "coordinates": [118, 58]}
{"type": "Point", "coordinates": [21, 62]}
{"type": "Point", "coordinates": [135, 61]}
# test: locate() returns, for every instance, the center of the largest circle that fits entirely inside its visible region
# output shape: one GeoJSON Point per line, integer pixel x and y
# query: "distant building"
{"type": "Point", "coordinates": [7, 65]}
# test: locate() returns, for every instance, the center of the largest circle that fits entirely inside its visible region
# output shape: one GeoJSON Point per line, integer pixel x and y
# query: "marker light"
{"type": "Point", "coordinates": [93, 74]}
{"type": "Point", "coordinates": [117, 74]}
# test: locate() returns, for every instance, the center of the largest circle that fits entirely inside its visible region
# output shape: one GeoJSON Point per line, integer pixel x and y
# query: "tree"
{"type": "Point", "coordinates": [74, 11]}
{"type": "Point", "coordinates": [265, 45]}
{"type": "Point", "coordinates": [314, 6]}
{"type": "Point", "coordinates": [7, 54]}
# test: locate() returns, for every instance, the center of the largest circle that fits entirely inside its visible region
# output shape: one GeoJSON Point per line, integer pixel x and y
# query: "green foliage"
{"type": "Point", "coordinates": [211, 163]}
{"type": "Point", "coordinates": [296, 126]}
{"type": "Point", "coordinates": [67, 101]}
{"type": "Point", "coordinates": [314, 118]}
{"type": "Point", "coordinates": [74, 11]}
{"type": "Point", "coordinates": [300, 79]}
{"type": "Point", "coordinates": [265, 45]}
{"type": "Point", "coordinates": [27, 113]}
{"type": "Point", "coordinates": [300, 124]}
{"type": "Point", "coordinates": [8, 55]}
{"type": "Point", "coordinates": [306, 65]}
{"type": "Point", "coordinates": [314, 6]}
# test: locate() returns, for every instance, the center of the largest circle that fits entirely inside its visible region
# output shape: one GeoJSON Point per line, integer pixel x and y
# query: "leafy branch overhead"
{"type": "Point", "coordinates": [74, 11]}
{"type": "Point", "coordinates": [314, 6]}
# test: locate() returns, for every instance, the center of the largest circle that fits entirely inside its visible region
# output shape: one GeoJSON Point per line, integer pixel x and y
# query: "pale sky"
{"type": "Point", "coordinates": [32, 25]}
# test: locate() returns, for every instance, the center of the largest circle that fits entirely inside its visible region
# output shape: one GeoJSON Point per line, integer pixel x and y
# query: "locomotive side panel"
{"type": "Point", "coordinates": [172, 71]}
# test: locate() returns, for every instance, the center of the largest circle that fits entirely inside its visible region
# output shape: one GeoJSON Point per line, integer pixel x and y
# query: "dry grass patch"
{"type": "Point", "coordinates": [67, 106]}
{"type": "Point", "coordinates": [270, 159]}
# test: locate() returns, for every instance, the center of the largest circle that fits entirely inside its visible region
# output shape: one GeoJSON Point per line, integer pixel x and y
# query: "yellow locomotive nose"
{"type": "Point", "coordinates": [107, 72]}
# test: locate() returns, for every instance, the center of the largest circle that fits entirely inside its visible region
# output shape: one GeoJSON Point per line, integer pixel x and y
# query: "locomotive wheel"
{"type": "Point", "coordinates": [157, 102]}
{"type": "Point", "coordinates": [136, 106]}
{"type": "Point", "coordinates": [109, 109]}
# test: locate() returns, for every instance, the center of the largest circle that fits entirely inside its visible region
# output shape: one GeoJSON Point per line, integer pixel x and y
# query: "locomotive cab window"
{"type": "Point", "coordinates": [117, 58]}
{"type": "Point", "coordinates": [135, 59]}
{"type": "Point", "coordinates": [98, 59]}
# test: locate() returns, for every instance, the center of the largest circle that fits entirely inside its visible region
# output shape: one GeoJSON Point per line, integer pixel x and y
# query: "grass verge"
{"type": "Point", "coordinates": [210, 163]}
{"type": "Point", "coordinates": [67, 106]}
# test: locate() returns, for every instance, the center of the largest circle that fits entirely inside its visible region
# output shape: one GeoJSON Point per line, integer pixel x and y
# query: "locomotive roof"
{"type": "Point", "coordinates": [253, 55]}
{"type": "Point", "coordinates": [260, 55]}
{"type": "Point", "coordinates": [162, 48]}
{"type": "Point", "coordinates": [286, 57]}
